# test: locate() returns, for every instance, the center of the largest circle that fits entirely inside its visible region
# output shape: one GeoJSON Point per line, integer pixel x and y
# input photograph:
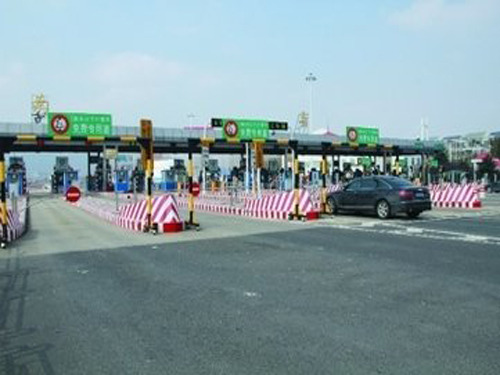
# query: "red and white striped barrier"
{"type": "Point", "coordinates": [165, 214]}
{"type": "Point", "coordinates": [100, 207]}
{"type": "Point", "coordinates": [16, 221]}
{"type": "Point", "coordinates": [455, 196]}
{"type": "Point", "coordinates": [271, 206]}
{"type": "Point", "coordinates": [278, 206]}
{"type": "Point", "coordinates": [211, 207]}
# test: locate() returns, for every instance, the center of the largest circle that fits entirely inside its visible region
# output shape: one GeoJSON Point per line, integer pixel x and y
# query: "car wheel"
{"type": "Point", "coordinates": [413, 214]}
{"type": "Point", "coordinates": [332, 205]}
{"type": "Point", "coordinates": [383, 209]}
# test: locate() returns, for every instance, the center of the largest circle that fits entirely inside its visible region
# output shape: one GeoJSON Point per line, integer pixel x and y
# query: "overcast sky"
{"type": "Point", "coordinates": [382, 63]}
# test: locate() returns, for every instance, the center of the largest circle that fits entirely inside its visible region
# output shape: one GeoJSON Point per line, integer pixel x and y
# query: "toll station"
{"type": "Point", "coordinates": [251, 139]}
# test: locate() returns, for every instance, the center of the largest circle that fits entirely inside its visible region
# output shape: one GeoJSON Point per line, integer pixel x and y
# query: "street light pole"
{"type": "Point", "coordinates": [311, 79]}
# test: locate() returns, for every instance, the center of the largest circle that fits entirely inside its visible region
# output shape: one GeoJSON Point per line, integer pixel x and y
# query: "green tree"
{"type": "Point", "coordinates": [487, 167]}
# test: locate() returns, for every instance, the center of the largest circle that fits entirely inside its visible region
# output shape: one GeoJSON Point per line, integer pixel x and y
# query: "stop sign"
{"type": "Point", "coordinates": [195, 189]}
{"type": "Point", "coordinates": [73, 194]}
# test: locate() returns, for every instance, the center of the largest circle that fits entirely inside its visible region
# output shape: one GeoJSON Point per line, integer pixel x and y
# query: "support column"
{"type": "Point", "coordinates": [324, 171]}
{"type": "Point", "coordinates": [396, 165]}
{"type": "Point", "coordinates": [384, 168]}
{"type": "Point", "coordinates": [147, 156]}
{"type": "Point", "coordinates": [149, 189]}
{"type": "Point", "coordinates": [296, 183]}
{"type": "Point", "coordinates": [190, 171]}
{"type": "Point", "coordinates": [424, 169]}
{"type": "Point", "coordinates": [3, 200]}
{"type": "Point", "coordinates": [247, 168]}
{"type": "Point", "coordinates": [117, 203]}
{"type": "Point", "coordinates": [88, 172]}
{"type": "Point", "coordinates": [104, 170]}
{"type": "Point", "coordinates": [334, 176]}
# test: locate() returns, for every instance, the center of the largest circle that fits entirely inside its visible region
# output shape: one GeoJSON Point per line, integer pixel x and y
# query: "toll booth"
{"type": "Point", "coordinates": [95, 181]}
{"type": "Point", "coordinates": [168, 180]}
{"type": "Point", "coordinates": [122, 180]}
{"type": "Point", "coordinates": [171, 177]}
{"type": "Point", "coordinates": [16, 176]}
{"type": "Point", "coordinates": [63, 175]}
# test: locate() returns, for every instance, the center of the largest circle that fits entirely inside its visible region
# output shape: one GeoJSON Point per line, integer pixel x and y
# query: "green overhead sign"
{"type": "Point", "coordinates": [244, 129]}
{"type": "Point", "coordinates": [79, 124]}
{"type": "Point", "coordinates": [358, 134]}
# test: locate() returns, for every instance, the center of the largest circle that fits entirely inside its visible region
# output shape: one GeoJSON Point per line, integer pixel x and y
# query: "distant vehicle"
{"type": "Point", "coordinates": [384, 195]}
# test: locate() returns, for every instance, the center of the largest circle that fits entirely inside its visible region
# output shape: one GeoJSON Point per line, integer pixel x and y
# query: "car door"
{"type": "Point", "coordinates": [367, 193]}
{"type": "Point", "coordinates": [349, 195]}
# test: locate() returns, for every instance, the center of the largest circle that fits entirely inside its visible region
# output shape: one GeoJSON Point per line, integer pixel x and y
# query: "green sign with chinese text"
{"type": "Point", "coordinates": [243, 129]}
{"type": "Point", "coordinates": [79, 124]}
{"type": "Point", "coordinates": [358, 134]}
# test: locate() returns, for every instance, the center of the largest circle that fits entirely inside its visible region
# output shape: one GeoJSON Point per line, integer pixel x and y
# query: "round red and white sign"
{"type": "Point", "coordinates": [59, 124]}
{"type": "Point", "coordinates": [231, 129]}
{"type": "Point", "coordinates": [73, 194]}
{"type": "Point", "coordinates": [195, 190]}
{"type": "Point", "coordinates": [352, 135]}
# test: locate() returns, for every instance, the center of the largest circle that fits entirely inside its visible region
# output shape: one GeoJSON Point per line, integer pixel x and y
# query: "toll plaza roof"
{"type": "Point", "coordinates": [177, 140]}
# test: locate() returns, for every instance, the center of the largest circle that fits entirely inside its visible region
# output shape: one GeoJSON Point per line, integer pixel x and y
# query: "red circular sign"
{"type": "Point", "coordinates": [231, 129]}
{"type": "Point", "coordinates": [195, 189]}
{"type": "Point", "coordinates": [73, 194]}
{"type": "Point", "coordinates": [352, 135]}
{"type": "Point", "coordinates": [59, 124]}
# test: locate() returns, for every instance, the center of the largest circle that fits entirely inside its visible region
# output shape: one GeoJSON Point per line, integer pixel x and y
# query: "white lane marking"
{"type": "Point", "coordinates": [424, 233]}
{"type": "Point", "coordinates": [251, 294]}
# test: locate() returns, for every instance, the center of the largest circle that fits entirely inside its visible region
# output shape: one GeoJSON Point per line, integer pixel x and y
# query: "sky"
{"type": "Point", "coordinates": [383, 63]}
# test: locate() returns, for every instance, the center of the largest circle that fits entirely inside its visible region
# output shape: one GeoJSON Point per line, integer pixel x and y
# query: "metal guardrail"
{"type": "Point", "coordinates": [9, 128]}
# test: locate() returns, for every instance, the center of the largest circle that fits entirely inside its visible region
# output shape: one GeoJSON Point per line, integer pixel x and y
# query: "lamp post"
{"type": "Point", "coordinates": [311, 78]}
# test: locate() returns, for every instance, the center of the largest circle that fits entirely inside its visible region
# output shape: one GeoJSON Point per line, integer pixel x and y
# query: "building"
{"type": "Point", "coordinates": [466, 147]}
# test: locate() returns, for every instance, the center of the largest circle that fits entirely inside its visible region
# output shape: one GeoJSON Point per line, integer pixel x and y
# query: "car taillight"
{"type": "Point", "coordinates": [406, 195]}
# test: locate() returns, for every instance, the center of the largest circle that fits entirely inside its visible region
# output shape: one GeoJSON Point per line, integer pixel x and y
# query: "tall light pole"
{"type": "Point", "coordinates": [311, 78]}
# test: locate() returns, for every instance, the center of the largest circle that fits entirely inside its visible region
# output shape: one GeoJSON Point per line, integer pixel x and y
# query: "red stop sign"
{"type": "Point", "coordinates": [195, 189]}
{"type": "Point", "coordinates": [73, 194]}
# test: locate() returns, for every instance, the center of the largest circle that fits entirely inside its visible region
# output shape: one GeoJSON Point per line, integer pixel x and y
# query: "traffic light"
{"type": "Point", "coordinates": [277, 125]}
{"type": "Point", "coordinates": [216, 123]}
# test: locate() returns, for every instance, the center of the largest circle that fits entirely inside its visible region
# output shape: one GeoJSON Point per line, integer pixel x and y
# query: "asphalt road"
{"type": "Point", "coordinates": [287, 299]}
